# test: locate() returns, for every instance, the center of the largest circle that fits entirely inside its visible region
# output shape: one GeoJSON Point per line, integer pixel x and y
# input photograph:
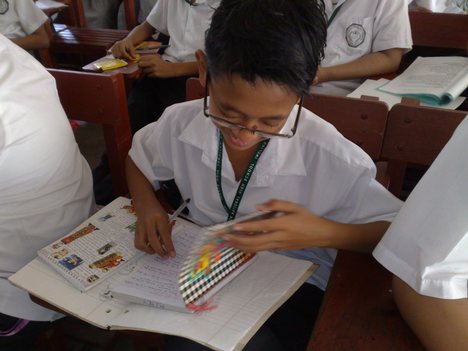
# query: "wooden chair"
{"type": "Point", "coordinates": [74, 15]}
{"type": "Point", "coordinates": [439, 30]}
{"type": "Point", "coordinates": [362, 120]}
{"type": "Point", "coordinates": [100, 99]}
{"type": "Point", "coordinates": [415, 135]}
{"type": "Point", "coordinates": [358, 312]}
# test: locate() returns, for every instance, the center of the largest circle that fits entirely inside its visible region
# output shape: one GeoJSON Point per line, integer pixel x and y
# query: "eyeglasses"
{"type": "Point", "coordinates": [225, 123]}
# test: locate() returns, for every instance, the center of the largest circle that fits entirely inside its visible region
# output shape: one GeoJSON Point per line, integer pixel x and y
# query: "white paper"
{"type": "Point", "coordinates": [49, 4]}
{"type": "Point", "coordinates": [370, 88]}
{"type": "Point", "coordinates": [155, 280]}
{"type": "Point", "coordinates": [243, 305]}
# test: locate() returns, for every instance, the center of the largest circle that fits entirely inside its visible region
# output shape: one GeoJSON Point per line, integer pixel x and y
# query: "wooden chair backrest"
{"type": "Point", "coordinates": [362, 120]}
{"type": "Point", "coordinates": [193, 89]}
{"type": "Point", "coordinates": [415, 135]}
{"type": "Point", "coordinates": [100, 99]}
{"type": "Point", "coordinates": [439, 30]}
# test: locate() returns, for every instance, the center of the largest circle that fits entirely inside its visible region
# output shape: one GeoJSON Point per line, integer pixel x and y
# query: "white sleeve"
{"type": "Point", "coordinates": [368, 201]}
{"type": "Point", "coordinates": [31, 17]}
{"type": "Point", "coordinates": [427, 244]}
{"type": "Point", "coordinates": [158, 16]}
{"type": "Point", "coordinates": [391, 26]}
{"type": "Point", "coordinates": [151, 151]}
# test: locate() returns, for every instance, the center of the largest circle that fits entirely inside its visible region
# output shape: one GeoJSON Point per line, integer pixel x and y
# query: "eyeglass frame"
{"type": "Point", "coordinates": [230, 125]}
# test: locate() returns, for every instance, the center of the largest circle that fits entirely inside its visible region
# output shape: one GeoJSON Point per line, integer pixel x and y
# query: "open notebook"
{"type": "Point", "coordinates": [238, 310]}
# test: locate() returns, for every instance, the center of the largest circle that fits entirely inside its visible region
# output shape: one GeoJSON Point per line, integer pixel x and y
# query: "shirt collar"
{"type": "Point", "coordinates": [201, 133]}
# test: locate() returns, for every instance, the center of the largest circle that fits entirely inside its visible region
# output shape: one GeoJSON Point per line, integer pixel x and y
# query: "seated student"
{"type": "Point", "coordinates": [426, 248]}
{"type": "Point", "coordinates": [251, 142]}
{"type": "Point", "coordinates": [165, 75]}
{"type": "Point", "coordinates": [22, 22]}
{"type": "Point", "coordinates": [45, 185]}
{"type": "Point", "coordinates": [364, 39]}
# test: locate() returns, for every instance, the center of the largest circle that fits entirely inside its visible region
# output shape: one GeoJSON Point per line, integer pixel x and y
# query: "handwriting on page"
{"type": "Point", "coordinates": [156, 276]}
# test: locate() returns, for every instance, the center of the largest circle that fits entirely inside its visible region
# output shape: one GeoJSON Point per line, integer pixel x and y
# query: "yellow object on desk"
{"type": "Point", "coordinates": [109, 64]}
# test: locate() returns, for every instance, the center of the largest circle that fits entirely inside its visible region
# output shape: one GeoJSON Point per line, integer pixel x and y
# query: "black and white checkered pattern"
{"type": "Point", "coordinates": [193, 288]}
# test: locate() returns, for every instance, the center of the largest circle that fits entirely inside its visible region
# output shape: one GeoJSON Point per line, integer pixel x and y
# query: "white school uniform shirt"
{"type": "Point", "coordinates": [427, 244]}
{"type": "Point", "coordinates": [185, 24]}
{"type": "Point", "coordinates": [317, 168]}
{"type": "Point", "coordinates": [361, 27]}
{"type": "Point", "coordinates": [45, 183]}
{"type": "Point", "coordinates": [19, 18]}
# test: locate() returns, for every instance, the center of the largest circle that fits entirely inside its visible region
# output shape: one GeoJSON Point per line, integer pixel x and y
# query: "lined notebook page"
{"type": "Point", "coordinates": [243, 305]}
{"type": "Point", "coordinates": [155, 280]}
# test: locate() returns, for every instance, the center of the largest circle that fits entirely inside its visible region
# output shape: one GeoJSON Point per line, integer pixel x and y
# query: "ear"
{"type": "Point", "coordinates": [201, 62]}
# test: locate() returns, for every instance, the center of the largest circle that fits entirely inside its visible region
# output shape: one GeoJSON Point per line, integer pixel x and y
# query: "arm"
{"type": "Point", "coordinates": [376, 63]}
{"type": "Point", "coordinates": [154, 66]}
{"type": "Point", "coordinates": [152, 226]}
{"type": "Point", "coordinates": [298, 228]}
{"type": "Point", "coordinates": [125, 48]}
{"type": "Point", "coordinates": [439, 324]}
{"type": "Point", "coordinates": [37, 40]}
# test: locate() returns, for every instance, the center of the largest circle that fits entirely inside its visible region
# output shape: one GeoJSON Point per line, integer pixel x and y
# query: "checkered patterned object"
{"type": "Point", "coordinates": [212, 262]}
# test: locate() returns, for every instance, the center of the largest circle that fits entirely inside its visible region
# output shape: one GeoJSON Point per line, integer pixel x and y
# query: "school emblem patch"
{"type": "Point", "coordinates": [355, 35]}
{"type": "Point", "coordinates": [4, 6]}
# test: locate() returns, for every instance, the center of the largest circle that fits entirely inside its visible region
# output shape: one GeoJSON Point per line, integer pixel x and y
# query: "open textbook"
{"type": "Point", "coordinates": [235, 313]}
{"type": "Point", "coordinates": [370, 87]}
{"type": "Point", "coordinates": [435, 81]}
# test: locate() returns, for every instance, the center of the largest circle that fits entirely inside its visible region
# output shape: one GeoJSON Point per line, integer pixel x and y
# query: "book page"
{"type": "Point", "coordinates": [370, 87]}
{"type": "Point", "coordinates": [432, 76]}
{"type": "Point", "coordinates": [45, 5]}
{"type": "Point", "coordinates": [243, 305]}
{"type": "Point", "coordinates": [98, 247]}
{"type": "Point", "coordinates": [154, 281]}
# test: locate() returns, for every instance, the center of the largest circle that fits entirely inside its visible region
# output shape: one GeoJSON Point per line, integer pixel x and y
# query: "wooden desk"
{"type": "Point", "coordinates": [75, 40]}
{"type": "Point", "coordinates": [358, 312]}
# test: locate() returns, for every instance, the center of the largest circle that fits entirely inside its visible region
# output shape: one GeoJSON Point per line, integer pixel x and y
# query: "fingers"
{"type": "Point", "coordinates": [141, 239]}
{"type": "Point", "coordinates": [279, 206]}
{"type": "Point", "coordinates": [257, 242]}
{"type": "Point", "coordinates": [154, 236]}
{"type": "Point", "coordinates": [165, 240]}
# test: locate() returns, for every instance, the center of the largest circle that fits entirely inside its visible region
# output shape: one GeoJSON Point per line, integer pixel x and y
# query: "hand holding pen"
{"type": "Point", "coordinates": [160, 242]}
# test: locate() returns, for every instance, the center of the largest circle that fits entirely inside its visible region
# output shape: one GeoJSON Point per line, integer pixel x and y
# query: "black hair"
{"type": "Point", "coordinates": [280, 41]}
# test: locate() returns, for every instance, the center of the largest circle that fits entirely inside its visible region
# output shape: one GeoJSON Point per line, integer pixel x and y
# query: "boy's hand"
{"type": "Point", "coordinates": [296, 229]}
{"type": "Point", "coordinates": [154, 66]}
{"type": "Point", "coordinates": [153, 232]}
{"type": "Point", "coordinates": [123, 49]}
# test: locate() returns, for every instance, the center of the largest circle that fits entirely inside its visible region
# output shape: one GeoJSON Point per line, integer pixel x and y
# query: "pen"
{"type": "Point", "coordinates": [170, 219]}
{"type": "Point", "coordinates": [179, 210]}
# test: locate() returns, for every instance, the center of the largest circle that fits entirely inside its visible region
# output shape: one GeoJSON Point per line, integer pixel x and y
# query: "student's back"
{"type": "Point", "coordinates": [45, 183]}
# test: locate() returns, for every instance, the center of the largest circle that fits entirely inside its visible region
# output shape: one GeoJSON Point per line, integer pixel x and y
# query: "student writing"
{"type": "Point", "coordinates": [250, 141]}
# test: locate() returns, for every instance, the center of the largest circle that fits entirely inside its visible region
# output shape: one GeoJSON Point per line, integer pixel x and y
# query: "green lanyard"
{"type": "Point", "coordinates": [232, 211]}
{"type": "Point", "coordinates": [332, 17]}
